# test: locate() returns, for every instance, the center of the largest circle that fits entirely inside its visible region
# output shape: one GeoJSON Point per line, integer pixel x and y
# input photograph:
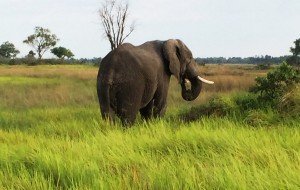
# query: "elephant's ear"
{"type": "Point", "coordinates": [171, 52]}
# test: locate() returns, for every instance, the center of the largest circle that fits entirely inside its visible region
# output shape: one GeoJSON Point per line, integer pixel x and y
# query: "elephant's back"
{"type": "Point", "coordinates": [129, 63]}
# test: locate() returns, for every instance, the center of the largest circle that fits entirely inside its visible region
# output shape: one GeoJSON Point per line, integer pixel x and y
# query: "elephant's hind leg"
{"type": "Point", "coordinates": [127, 115]}
{"type": "Point", "coordinates": [127, 111]}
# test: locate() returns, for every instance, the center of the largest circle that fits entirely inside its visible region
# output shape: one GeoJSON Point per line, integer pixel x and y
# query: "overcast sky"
{"type": "Point", "coordinates": [210, 28]}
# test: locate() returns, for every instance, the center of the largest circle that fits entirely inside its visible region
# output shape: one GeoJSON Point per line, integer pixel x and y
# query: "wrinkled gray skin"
{"type": "Point", "coordinates": [134, 79]}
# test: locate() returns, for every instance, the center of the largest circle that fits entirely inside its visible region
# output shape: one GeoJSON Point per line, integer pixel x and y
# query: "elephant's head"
{"type": "Point", "coordinates": [184, 68]}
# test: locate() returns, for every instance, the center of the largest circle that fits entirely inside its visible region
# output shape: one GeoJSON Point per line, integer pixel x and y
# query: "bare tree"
{"type": "Point", "coordinates": [114, 15]}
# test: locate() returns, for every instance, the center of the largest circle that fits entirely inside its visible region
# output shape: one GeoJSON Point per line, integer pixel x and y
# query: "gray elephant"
{"type": "Point", "coordinates": [133, 79]}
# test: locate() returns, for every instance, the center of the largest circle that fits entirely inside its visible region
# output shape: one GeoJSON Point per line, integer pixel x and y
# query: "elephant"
{"type": "Point", "coordinates": [135, 79]}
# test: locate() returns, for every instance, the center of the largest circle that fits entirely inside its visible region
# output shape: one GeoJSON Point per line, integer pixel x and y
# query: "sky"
{"type": "Point", "coordinates": [210, 28]}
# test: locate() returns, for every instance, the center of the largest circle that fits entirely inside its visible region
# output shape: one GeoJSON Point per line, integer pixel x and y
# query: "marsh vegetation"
{"type": "Point", "coordinates": [52, 135]}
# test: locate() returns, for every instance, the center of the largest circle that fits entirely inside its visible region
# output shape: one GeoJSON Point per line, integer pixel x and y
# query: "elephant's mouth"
{"type": "Point", "coordinates": [191, 87]}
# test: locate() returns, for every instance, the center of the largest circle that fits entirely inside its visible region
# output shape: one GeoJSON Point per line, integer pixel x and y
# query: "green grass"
{"type": "Point", "coordinates": [52, 137]}
{"type": "Point", "coordinates": [87, 153]}
{"type": "Point", "coordinates": [9, 80]}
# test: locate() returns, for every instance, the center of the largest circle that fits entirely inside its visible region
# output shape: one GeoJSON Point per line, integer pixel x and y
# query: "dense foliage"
{"type": "Point", "coordinates": [260, 60]}
{"type": "Point", "coordinates": [42, 40]}
{"type": "Point", "coordinates": [295, 59]}
{"type": "Point", "coordinates": [8, 50]}
{"type": "Point", "coordinates": [201, 61]}
{"type": "Point", "coordinates": [62, 52]}
{"type": "Point", "coordinates": [276, 83]}
{"type": "Point", "coordinates": [31, 60]}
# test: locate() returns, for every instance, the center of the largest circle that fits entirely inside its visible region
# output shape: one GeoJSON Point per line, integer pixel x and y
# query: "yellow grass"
{"type": "Point", "coordinates": [27, 86]}
{"type": "Point", "coordinates": [69, 84]}
{"type": "Point", "coordinates": [228, 79]}
{"type": "Point", "coordinates": [70, 71]}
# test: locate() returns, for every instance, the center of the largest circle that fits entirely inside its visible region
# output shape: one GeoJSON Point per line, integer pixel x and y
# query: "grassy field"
{"type": "Point", "coordinates": [52, 137]}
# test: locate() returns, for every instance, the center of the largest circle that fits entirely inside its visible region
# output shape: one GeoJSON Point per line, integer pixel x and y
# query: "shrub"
{"type": "Point", "coordinates": [247, 102]}
{"type": "Point", "coordinates": [4, 60]}
{"type": "Point", "coordinates": [276, 83]}
{"type": "Point", "coordinates": [221, 106]}
{"type": "Point", "coordinates": [289, 103]}
{"type": "Point", "coordinates": [275, 91]}
{"type": "Point", "coordinates": [216, 106]}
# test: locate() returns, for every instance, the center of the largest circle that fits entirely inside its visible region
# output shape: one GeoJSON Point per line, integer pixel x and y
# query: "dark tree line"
{"type": "Point", "coordinates": [263, 60]}
{"type": "Point", "coordinates": [30, 60]}
{"type": "Point", "coordinates": [239, 60]}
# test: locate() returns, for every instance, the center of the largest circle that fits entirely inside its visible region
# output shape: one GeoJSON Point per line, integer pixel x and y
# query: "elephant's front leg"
{"type": "Point", "coordinates": [153, 109]}
{"type": "Point", "coordinates": [160, 103]}
{"type": "Point", "coordinates": [157, 106]}
{"type": "Point", "coordinates": [147, 111]}
{"type": "Point", "coordinates": [159, 109]}
{"type": "Point", "coordinates": [160, 98]}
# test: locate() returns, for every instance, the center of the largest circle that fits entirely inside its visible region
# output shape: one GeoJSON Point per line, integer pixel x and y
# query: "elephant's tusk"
{"type": "Point", "coordinates": [187, 81]}
{"type": "Point", "coordinates": [205, 81]}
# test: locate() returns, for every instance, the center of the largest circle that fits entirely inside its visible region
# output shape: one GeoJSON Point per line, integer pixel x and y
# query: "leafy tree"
{"type": "Point", "coordinates": [113, 17]}
{"type": "Point", "coordinates": [8, 50]}
{"type": "Point", "coordinates": [296, 49]}
{"type": "Point", "coordinates": [62, 52]}
{"type": "Point", "coordinates": [30, 54]}
{"type": "Point", "coordinates": [296, 52]}
{"type": "Point", "coordinates": [276, 83]}
{"type": "Point", "coordinates": [30, 59]}
{"type": "Point", "coordinates": [42, 40]}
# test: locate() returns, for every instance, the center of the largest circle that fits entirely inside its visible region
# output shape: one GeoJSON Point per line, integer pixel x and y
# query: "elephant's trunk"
{"type": "Point", "coordinates": [191, 76]}
{"type": "Point", "coordinates": [193, 93]}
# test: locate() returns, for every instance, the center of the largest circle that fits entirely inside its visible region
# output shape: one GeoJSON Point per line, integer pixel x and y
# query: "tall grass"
{"type": "Point", "coordinates": [52, 137]}
{"type": "Point", "coordinates": [68, 83]}
{"type": "Point", "coordinates": [49, 71]}
{"type": "Point", "coordinates": [204, 155]}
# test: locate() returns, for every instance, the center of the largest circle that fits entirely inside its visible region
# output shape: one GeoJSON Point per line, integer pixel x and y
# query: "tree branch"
{"type": "Point", "coordinates": [113, 18]}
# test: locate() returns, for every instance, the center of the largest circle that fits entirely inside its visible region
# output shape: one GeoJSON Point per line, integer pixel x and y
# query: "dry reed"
{"type": "Point", "coordinates": [51, 71]}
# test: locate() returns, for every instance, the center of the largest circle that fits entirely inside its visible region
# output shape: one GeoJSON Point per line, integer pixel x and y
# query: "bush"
{"type": "Point", "coordinates": [4, 60]}
{"type": "Point", "coordinates": [217, 106]}
{"type": "Point", "coordinates": [243, 105]}
{"type": "Point", "coordinates": [221, 106]}
{"type": "Point", "coordinates": [247, 102]}
{"type": "Point", "coordinates": [276, 83]}
{"type": "Point", "coordinates": [289, 103]}
{"type": "Point", "coordinates": [274, 96]}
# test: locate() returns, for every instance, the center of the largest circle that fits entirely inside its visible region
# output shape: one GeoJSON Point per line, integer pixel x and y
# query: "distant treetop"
{"type": "Point", "coordinates": [8, 50]}
{"type": "Point", "coordinates": [42, 40]}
